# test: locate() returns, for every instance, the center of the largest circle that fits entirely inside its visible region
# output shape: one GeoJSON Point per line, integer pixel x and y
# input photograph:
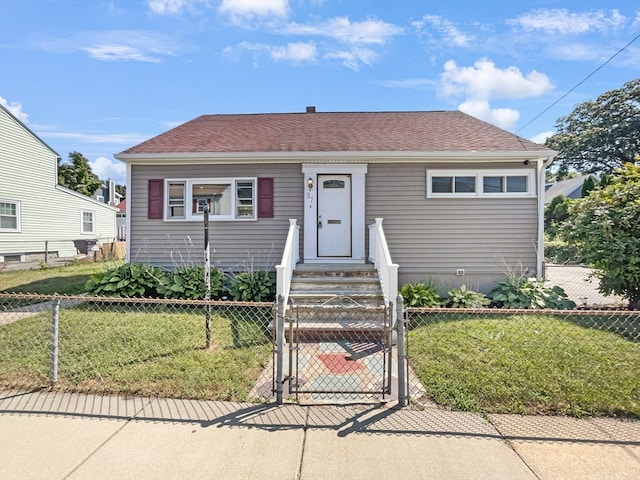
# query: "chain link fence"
{"type": "Point", "coordinates": [134, 346]}
{"type": "Point", "coordinates": [338, 352]}
{"type": "Point", "coordinates": [577, 362]}
{"type": "Point", "coordinates": [569, 362]}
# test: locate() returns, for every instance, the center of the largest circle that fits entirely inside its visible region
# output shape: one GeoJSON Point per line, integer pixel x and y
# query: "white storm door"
{"type": "Point", "coordinates": [334, 215]}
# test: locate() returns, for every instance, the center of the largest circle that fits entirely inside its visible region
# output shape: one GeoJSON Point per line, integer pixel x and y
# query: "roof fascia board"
{"type": "Point", "coordinates": [85, 198]}
{"type": "Point", "coordinates": [330, 157]}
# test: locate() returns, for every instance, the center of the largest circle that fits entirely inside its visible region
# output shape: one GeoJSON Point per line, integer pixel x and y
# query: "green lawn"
{"type": "Point", "coordinates": [66, 280]}
{"type": "Point", "coordinates": [155, 352]}
{"type": "Point", "coordinates": [530, 364]}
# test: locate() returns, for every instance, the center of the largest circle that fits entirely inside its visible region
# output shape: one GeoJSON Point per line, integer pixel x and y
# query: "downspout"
{"type": "Point", "coordinates": [127, 222]}
{"type": "Point", "coordinates": [541, 165]}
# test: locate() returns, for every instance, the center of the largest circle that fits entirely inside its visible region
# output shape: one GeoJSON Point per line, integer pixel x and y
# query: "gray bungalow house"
{"type": "Point", "coordinates": [456, 199]}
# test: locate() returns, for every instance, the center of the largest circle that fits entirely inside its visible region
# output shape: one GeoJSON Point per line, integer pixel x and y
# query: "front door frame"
{"type": "Point", "coordinates": [358, 173]}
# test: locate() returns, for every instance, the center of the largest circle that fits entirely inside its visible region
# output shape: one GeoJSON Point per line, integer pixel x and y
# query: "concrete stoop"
{"type": "Point", "coordinates": [336, 302]}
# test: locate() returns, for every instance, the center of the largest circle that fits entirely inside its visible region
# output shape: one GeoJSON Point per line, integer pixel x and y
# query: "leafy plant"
{"type": "Point", "coordinates": [188, 282]}
{"type": "Point", "coordinates": [253, 286]}
{"type": "Point", "coordinates": [605, 227]}
{"type": "Point", "coordinates": [521, 292]}
{"type": "Point", "coordinates": [464, 298]}
{"type": "Point", "coordinates": [420, 295]}
{"type": "Point", "coordinates": [128, 280]}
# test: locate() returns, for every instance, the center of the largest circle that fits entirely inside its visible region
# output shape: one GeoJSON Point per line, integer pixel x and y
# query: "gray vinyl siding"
{"type": "Point", "coordinates": [430, 238]}
{"type": "Point", "coordinates": [48, 212]}
{"type": "Point", "coordinates": [235, 245]}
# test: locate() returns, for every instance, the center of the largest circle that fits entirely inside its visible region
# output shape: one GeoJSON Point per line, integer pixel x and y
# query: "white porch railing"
{"type": "Point", "coordinates": [290, 256]}
{"type": "Point", "coordinates": [381, 258]}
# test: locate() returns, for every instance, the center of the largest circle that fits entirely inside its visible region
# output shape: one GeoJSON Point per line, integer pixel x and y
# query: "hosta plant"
{"type": "Point", "coordinates": [420, 295]}
{"type": "Point", "coordinates": [188, 282]}
{"type": "Point", "coordinates": [464, 298]}
{"type": "Point", "coordinates": [520, 292]}
{"type": "Point", "coordinates": [127, 280]}
{"type": "Point", "coordinates": [253, 286]}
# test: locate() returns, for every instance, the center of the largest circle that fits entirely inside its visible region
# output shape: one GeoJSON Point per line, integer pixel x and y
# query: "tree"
{"type": "Point", "coordinates": [555, 214]}
{"type": "Point", "coordinates": [77, 175]}
{"type": "Point", "coordinates": [122, 190]}
{"type": "Point", "coordinates": [606, 228]}
{"type": "Point", "coordinates": [599, 136]}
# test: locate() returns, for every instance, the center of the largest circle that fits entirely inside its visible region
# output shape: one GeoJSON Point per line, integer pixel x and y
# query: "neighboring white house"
{"type": "Point", "coordinates": [37, 214]}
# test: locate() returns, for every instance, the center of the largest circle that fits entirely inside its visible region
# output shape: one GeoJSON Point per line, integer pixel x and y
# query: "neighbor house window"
{"type": "Point", "coordinates": [9, 216]}
{"type": "Point", "coordinates": [224, 199]}
{"type": "Point", "coordinates": [480, 183]}
{"type": "Point", "coordinates": [88, 221]}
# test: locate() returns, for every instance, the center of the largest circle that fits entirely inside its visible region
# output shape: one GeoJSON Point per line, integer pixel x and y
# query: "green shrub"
{"type": "Point", "coordinates": [188, 283]}
{"type": "Point", "coordinates": [420, 295]}
{"type": "Point", "coordinates": [464, 298]}
{"type": "Point", "coordinates": [127, 280]}
{"type": "Point", "coordinates": [520, 292]}
{"type": "Point", "coordinates": [253, 286]}
{"type": "Point", "coordinates": [560, 252]}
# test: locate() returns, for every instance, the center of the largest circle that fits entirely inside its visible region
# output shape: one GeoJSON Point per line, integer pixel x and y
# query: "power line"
{"type": "Point", "coordinates": [579, 83]}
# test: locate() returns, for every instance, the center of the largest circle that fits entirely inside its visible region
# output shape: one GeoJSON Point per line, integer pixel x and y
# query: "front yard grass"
{"type": "Point", "coordinates": [156, 352]}
{"type": "Point", "coordinates": [65, 280]}
{"type": "Point", "coordinates": [528, 364]}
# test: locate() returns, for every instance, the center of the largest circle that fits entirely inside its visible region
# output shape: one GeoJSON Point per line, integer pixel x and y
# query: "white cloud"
{"type": "Point", "coordinates": [166, 7]}
{"type": "Point", "coordinates": [119, 53]}
{"type": "Point", "coordinates": [16, 110]}
{"type": "Point", "coordinates": [542, 137]}
{"type": "Point", "coordinates": [110, 45]}
{"type": "Point", "coordinates": [484, 81]}
{"type": "Point", "coordinates": [411, 83]}
{"type": "Point", "coordinates": [255, 8]}
{"type": "Point", "coordinates": [562, 21]}
{"type": "Point", "coordinates": [106, 168]}
{"type": "Point", "coordinates": [107, 138]}
{"type": "Point", "coordinates": [506, 118]}
{"type": "Point", "coordinates": [446, 28]}
{"type": "Point", "coordinates": [370, 31]}
{"type": "Point", "coordinates": [295, 52]}
{"type": "Point", "coordinates": [354, 58]}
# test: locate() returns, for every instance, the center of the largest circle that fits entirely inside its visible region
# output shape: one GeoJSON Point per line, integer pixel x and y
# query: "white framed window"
{"type": "Point", "coordinates": [88, 222]}
{"type": "Point", "coordinates": [481, 183]}
{"type": "Point", "coordinates": [224, 198]}
{"type": "Point", "coordinates": [9, 216]}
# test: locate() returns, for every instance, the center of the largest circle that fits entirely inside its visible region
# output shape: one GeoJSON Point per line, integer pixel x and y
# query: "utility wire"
{"type": "Point", "coordinates": [579, 83]}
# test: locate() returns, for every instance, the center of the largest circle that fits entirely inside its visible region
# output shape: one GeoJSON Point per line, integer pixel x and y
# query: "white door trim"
{"type": "Point", "coordinates": [358, 173]}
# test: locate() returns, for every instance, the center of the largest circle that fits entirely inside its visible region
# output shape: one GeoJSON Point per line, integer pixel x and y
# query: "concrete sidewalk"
{"type": "Point", "coordinates": [60, 436]}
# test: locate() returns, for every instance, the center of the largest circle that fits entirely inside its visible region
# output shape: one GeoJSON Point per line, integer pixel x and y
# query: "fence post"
{"type": "Point", "coordinates": [279, 349]}
{"type": "Point", "coordinates": [402, 364]}
{"type": "Point", "coordinates": [55, 320]}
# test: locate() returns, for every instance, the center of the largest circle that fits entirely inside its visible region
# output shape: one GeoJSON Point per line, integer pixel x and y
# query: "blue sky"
{"type": "Point", "coordinates": [100, 76]}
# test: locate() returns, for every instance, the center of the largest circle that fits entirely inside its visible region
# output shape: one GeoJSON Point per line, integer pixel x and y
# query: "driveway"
{"type": "Point", "coordinates": [574, 279]}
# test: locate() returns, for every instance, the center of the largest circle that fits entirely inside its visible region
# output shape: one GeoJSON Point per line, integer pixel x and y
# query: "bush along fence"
{"type": "Point", "coordinates": [531, 361]}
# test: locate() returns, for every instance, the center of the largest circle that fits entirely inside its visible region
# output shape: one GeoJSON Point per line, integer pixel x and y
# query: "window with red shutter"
{"type": "Point", "coordinates": [265, 198]}
{"type": "Point", "coordinates": [155, 204]}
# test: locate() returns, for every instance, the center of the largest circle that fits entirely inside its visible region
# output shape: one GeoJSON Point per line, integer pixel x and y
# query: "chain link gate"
{"type": "Point", "coordinates": [338, 351]}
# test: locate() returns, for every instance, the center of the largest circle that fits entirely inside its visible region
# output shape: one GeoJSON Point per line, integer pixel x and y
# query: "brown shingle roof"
{"type": "Point", "coordinates": [438, 131]}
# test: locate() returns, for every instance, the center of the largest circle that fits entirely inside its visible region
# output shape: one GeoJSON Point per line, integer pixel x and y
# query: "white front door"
{"type": "Point", "coordinates": [334, 215]}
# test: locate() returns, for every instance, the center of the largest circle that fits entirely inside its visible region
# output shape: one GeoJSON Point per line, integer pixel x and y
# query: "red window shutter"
{"type": "Point", "coordinates": [155, 204]}
{"type": "Point", "coordinates": [265, 198]}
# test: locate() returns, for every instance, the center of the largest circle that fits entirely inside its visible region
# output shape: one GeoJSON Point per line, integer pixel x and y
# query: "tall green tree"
{"type": "Point", "coordinates": [599, 136]}
{"type": "Point", "coordinates": [605, 226]}
{"type": "Point", "coordinates": [77, 175]}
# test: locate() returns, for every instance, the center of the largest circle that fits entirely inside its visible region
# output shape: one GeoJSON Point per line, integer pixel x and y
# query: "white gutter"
{"type": "Point", "coordinates": [541, 164]}
{"type": "Point", "coordinates": [331, 157]}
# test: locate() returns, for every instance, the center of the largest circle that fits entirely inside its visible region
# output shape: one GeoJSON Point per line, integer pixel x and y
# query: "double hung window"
{"type": "Point", "coordinates": [9, 216]}
{"type": "Point", "coordinates": [223, 199]}
{"type": "Point", "coordinates": [88, 222]}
